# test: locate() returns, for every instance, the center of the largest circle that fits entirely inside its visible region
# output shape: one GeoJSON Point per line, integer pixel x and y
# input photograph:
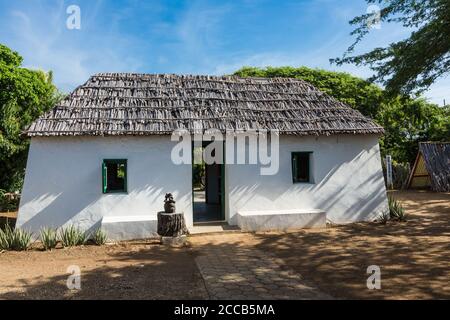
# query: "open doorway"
{"type": "Point", "coordinates": [207, 185]}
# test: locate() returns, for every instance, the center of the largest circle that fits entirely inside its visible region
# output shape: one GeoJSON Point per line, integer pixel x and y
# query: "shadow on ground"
{"type": "Point", "coordinates": [137, 271]}
{"type": "Point", "coordinates": [414, 256]}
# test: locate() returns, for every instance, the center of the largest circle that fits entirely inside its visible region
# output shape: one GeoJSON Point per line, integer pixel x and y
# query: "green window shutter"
{"type": "Point", "coordinates": [104, 176]}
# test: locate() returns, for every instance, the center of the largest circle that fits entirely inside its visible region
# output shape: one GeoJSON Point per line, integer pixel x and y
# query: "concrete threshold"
{"type": "Point", "coordinates": [212, 227]}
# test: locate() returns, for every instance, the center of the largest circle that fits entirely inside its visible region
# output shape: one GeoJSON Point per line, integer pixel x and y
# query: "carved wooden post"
{"type": "Point", "coordinates": [171, 224]}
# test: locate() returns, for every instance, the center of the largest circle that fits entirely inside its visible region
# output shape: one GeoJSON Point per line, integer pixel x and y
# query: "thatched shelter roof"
{"type": "Point", "coordinates": [148, 104]}
{"type": "Point", "coordinates": [432, 167]}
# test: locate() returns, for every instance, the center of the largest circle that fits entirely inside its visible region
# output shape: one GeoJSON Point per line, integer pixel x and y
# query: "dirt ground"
{"type": "Point", "coordinates": [414, 258]}
{"type": "Point", "coordinates": [132, 270]}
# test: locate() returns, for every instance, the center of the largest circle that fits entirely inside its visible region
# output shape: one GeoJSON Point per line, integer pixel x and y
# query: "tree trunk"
{"type": "Point", "coordinates": [171, 224]}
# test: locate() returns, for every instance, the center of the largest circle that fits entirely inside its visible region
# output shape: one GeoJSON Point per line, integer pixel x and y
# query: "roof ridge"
{"type": "Point", "coordinates": [194, 76]}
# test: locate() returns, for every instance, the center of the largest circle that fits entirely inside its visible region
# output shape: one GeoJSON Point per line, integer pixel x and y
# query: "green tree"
{"type": "Point", "coordinates": [24, 95]}
{"type": "Point", "coordinates": [413, 64]}
{"type": "Point", "coordinates": [406, 121]}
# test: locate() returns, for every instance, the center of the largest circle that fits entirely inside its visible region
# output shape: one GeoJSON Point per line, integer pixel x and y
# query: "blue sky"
{"type": "Point", "coordinates": [196, 37]}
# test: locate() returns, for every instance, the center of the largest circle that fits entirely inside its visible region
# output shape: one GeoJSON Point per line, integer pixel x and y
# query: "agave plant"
{"type": "Point", "coordinates": [72, 236]}
{"type": "Point", "coordinates": [14, 239]}
{"type": "Point", "coordinates": [49, 238]}
{"type": "Point", "coordinates": [99, 237]}
{"type": "Point", "coordinates": [396, 211]}
{"type": "Point", "coordinates": [383, 218]}
{"type": "Point", "coordinates": [6, 238]}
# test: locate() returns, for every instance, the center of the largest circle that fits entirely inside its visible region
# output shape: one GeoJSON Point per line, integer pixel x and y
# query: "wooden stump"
{"type": "Point", "coordinates": [171, 224]}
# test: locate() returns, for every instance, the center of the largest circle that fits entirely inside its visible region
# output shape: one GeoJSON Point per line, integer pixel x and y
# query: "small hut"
{"type": "Point", "coordinates": [105, 156]}
{"type": "Point", "coordinates": [432, 167]}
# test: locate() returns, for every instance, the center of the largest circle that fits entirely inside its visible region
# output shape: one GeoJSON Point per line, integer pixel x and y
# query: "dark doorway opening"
{"type": "Point", "coordinates": [208, 186]}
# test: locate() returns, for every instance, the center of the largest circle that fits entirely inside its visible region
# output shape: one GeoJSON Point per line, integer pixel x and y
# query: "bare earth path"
{"type": "Point", "coordinates": [414, 258]}
{"type": "Point", "coordinates": [132, 270]}
{"type": "Point", "coordinates": [235, 271]}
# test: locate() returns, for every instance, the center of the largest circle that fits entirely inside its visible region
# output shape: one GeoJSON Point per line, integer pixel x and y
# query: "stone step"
{"type": "Point", "coordinates": [281, 220]}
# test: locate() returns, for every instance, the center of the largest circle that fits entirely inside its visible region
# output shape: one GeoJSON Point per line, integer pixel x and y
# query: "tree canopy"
{"type": "Point", "coordinates": [413, 64]}
{"type": "Point", "coordinates": [24, 95]}
{"type": "Point", "coordinates": [406, 121]}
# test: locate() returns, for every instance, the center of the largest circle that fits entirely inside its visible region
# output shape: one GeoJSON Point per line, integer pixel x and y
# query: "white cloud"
{"type": "Point", "coordinates": [46, 44]}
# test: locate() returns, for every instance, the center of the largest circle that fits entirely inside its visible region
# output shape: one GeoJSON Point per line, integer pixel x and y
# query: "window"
{"type": "Point", "coordinates": [114, 173]}
{"type": "Point", "coordinates": [301, 167]}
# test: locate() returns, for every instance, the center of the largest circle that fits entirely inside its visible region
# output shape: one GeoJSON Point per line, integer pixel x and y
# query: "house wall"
{"type": "Point", "coordinates": [63, 182]}
{"type": "Point", "coordinates": [347, 183]}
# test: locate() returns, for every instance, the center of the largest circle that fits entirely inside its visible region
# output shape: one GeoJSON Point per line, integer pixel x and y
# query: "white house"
{"type": "Point", "coordinates": [103, 157]}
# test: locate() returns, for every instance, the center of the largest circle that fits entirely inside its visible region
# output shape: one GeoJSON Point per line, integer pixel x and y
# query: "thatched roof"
{"type": "Point", "coordinates": [148, 104]}
{"type": "Point", "coordinates": [436, 156]}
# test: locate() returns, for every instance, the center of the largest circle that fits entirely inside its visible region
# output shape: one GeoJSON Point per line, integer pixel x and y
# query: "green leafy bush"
{"type": "Point", "coordinates": [14, 239]}
{"type": "Point", "coordinates": [99, 237]}
{"type": "Point", "coordinates": [71, 236]}
{"type": "Point", "coordinates": [25, 94]}
{"type": "Point", "coordinates": [7, 203]}
{"type": "Point", "coordinates": [49, 238]}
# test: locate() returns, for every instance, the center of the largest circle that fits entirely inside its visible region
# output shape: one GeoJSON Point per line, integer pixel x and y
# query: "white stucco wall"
{"type": "Point", "coordinates": [63, 182]}
{"type": "Point", "coordinates": [346, 169]}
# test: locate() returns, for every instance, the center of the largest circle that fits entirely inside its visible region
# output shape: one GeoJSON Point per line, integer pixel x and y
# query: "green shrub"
{"type": "Point", "coordinates": [49, 238]}
{"type": "Point", "coordinates": [396, 210]}
{"type": "Point", "coordinates": [71, 236]}
{"type": "Point", "coordinates": [198, 176]}
{"type": "Point", "coordinates": [7, 204]}
{"type": "Point", "coordinates": [14, 239]}
{"type": "Point", "coordinates": [99, 237]}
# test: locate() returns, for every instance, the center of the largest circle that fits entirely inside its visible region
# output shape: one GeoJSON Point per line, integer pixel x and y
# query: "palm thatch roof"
{"type": "Point", "coordinates": [148, 104]}
{"type": "Point", "coordinates": [432, 167]}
